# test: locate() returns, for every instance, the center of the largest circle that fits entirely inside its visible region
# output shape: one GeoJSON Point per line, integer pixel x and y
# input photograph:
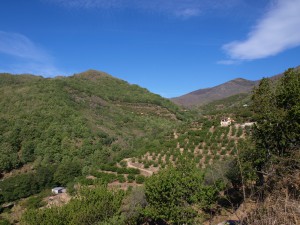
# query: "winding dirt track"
{"type": "Point", "coordinates": [144, 172]}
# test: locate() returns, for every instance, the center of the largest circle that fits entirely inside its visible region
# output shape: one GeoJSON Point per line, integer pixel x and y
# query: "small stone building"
{"type": "Point", "coordinates": [58, 190]}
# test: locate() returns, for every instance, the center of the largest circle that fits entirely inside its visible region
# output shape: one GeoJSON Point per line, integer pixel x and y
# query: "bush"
{"type": "Point", "coordinates": [91, 206]}
{"type": "Point", "coordinates": [104, 177]}
{"type": "Point", "coordinates": [24, 185]}
{"type": "Point", "coordinates": [133, 205]}
{"type": "Point", "coordinates": [140, 179]}
{"type": "Point", "coordinates": [130, 178]}
{"type": "Point", "coordinates": [121, 178]}
{"type": "Point", "coordinates": [173, 193]}
{"type": "Point", "coordinates": [123, 163]}
{"type": "Point", "coordinates": [66, 172]}
{"type": "Point", "coordinates": [35, 202]}
{"type": "Point", "coordinates": [4, 222]}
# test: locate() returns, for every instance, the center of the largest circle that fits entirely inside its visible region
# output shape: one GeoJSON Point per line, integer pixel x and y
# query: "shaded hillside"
{"type": "Point", "coordinates": [221, 91]}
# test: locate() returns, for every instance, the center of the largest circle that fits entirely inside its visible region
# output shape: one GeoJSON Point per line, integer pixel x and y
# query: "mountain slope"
{"type": "Point", "coordinates": [89, 118]}
{"type": "Point", "coordinates": [207, 95]}
{"type": "Point", "coordinates": [230, 88]}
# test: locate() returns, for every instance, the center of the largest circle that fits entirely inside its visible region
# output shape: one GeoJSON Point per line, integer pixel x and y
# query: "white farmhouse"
{"type": "Point", "coordinates": [225, 122]}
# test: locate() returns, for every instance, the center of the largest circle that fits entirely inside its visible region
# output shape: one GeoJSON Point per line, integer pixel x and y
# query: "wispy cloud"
{"type": "Point", "coordinates": [228, 62]}
{"type": "Point", "coordinates": [26, 56]}
{"type": "Point", "coordinates": [20, 46]}
{"type": "Point", "coordinates": [179, 8]}
{"type": "Point", "coordinates": [90, 3]}
{"type": "Point", "coordinates": [277, 31]}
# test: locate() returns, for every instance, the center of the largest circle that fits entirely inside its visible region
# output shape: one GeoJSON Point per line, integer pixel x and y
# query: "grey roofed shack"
{"type": "Point", "coordinates": [58, 190]}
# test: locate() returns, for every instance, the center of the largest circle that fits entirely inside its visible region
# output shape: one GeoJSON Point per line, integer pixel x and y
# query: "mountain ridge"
{"type": "Point", "coordinates": [206, 95]}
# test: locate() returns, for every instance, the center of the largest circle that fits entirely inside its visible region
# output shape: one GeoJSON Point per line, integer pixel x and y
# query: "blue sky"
{"type": "Point", "coordinates": [170, 47]}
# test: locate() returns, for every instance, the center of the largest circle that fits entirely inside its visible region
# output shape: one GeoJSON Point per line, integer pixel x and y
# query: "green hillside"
{"type": "Point", "coordinates": [128, 156]}
{"type": "Point", "coordinates": [236, 106]}
{"type": "Point", "coordinates": [47, 120]}
{"type": "Point", "coordinates": [83, 121]}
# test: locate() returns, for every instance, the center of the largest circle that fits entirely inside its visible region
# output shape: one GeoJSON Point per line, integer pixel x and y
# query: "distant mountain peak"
{"type": "Point", "coordinates": [240, 80]}
{"type": "Point", "coordinates": [227, 89]}
{"type": "Point", "coordinates": [203, 96]}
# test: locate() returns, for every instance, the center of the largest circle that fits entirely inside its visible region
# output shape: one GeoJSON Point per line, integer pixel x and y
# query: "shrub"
{"type": "Point", "coordinates": [173, 193]}
{"type": "Point", "coordinates": [121, 178]}
{"type": "Point", "coordinates": [123, 163]}
{"type": "Point", "coordinates": [130, 178]}
{"type": "Point", "coordinates": [140, 179]}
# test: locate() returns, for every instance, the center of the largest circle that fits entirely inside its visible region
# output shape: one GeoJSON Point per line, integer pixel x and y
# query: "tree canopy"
{"type": "Point", "coordinates": [276, 134]}
{"type": "Point", "coordinates": [175, 192]}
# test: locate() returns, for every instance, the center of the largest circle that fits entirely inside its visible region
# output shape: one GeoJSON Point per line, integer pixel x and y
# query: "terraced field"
{"type": "Point", "coordinates": [199, 143]}
{"type": "Point", "coordinates": [203, 143]}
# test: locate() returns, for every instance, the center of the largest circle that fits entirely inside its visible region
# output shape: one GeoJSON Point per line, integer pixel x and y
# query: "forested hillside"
{"type": "Point", "coordinates": [51, 120]}
{"type": "Point", "coordinates": [53, 129]}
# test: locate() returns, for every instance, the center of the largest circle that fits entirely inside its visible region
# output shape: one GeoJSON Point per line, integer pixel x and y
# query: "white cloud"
{"type": "Point", "coordinates": [179, 8]}
{"type": "Point", "coordinates": [277, 31]}
{"type": "Point", "coordinates": [36, 68]}
{"type": "Point", "coordinates": [26, 56]}
{"type": "Point", "coordinates": [20, 46]}
{"type": "Point", "coordinates": [228, 62]}
{"type": "Point", "coordinates": [188, 12]}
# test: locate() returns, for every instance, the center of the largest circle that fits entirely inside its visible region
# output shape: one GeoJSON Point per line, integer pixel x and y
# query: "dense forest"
{"type": "Point", "coordinates": [128, 156]}
{"type": "Point", "coordinates": [51, 120]}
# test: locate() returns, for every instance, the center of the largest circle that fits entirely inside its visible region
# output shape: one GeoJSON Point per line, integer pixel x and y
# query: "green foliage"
{"type": "Point", "coordinates": [4, 222]}
{"type": "Point", "coordinates": [90, 118]}
{"type": "Point", "coordinates": [123, 163]}
{"type": "Point", "coordinates": [237, 106]}
{"type": "Point", "coordinates": [119, 170]}
{"type": "Point", "coordinates": [90, 207]}
{"type": "Point", "coordinates": [147, 165]}
{"type": "Point", "coordinates": [276, 134]}
{"type": "Point", "coordinates": [68, 119]}
{"type": "Point", "coordinates": [35, 202]}
{"type": "Point", "coordinates": [172, 193]}
{"type": "Point", "coordinates": [133, 205]}
{"type": "Point", "coordinates": [240, 171]}
{"type": "Point", "coordinates": [24, 185]}
{"type": "Point", "coordinates": [277, 114]}
{"type": "Point", "coordinates": [239, 132]}
{"type": "Point", "coordinates": [130, 178]}
{"type": "Point", "coordinates": [66, 172]}
{"type": "Point", "coordinates": [277, 129]}
{"type": "Point", "coordinates": [105, 177]}
{"type": "Point", "coordinates": [104, 85]}
{"type": "Point", "coordinates": [121, 178]}
{"type": "Point", "coordinates": [140, 179]}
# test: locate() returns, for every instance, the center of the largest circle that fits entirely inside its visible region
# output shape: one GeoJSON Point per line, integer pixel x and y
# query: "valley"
{"type": "Point", "coordinates": [128, 156]}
